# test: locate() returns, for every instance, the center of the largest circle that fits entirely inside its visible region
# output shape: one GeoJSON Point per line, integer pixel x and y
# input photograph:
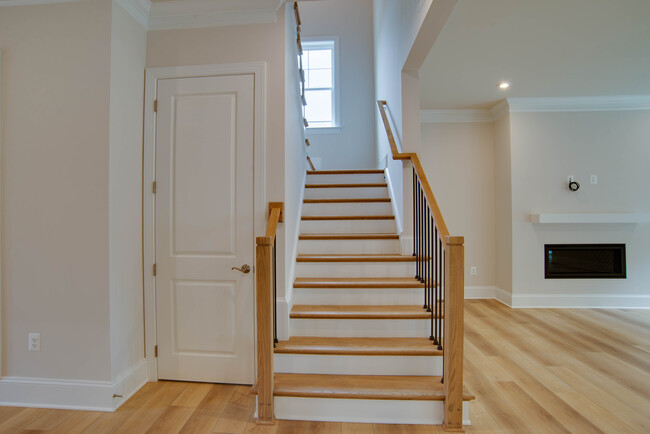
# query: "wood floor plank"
{"type": "Point", "coordinates": [586, 368]}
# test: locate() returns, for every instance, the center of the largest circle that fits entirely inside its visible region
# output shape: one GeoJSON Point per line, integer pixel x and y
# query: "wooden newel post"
{"type": "Point", "coordinates": [453, 332]}
{"type": "Point", "coordinates": [264, 253]}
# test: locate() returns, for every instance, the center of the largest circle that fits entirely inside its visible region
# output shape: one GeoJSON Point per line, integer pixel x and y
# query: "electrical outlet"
{"type": "Point", "coordinates": [594, 179]}
{"type": "Point", "coordinates": [472, 271]}
{"type": "Point", "coordinates": [34, 342]}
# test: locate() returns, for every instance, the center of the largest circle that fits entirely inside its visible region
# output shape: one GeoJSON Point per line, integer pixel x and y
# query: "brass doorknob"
{"type": "Point", "coordinates": [244, 268]}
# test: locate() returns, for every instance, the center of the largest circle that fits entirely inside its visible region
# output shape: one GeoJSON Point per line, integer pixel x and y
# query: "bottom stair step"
{"type": "Point", "coordinates": [422, 388]}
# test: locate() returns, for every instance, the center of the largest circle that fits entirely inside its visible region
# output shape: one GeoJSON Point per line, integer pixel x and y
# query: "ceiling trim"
{"type": "Point", "coordinates": [579, 104]}
{"type": "Point", "coordinates": [34, 2]}
{"type": "Point", "coordinates": [138, 9]}
{"type": "Point", "coordinates": [443, 116]}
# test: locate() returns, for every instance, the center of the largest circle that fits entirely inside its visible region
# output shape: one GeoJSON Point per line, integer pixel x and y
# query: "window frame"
{"type": "Point", "coordinates": [330, 42]}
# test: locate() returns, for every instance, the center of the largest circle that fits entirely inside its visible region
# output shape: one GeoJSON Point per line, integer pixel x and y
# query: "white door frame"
{"type": "Point", "coordinates": [258, 70]}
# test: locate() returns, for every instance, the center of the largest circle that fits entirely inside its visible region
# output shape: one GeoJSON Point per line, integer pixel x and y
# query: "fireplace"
{"type": "Point", "coordinates": [584, 261]}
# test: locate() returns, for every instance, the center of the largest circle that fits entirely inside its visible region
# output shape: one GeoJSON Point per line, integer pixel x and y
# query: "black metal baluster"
{"type": "Point", "coordinates": [440, 291]}
{"type": "Point", "coordinates": [436, 282]}
{"type": "Point", "coordinates": [416, 209]}
{"type": "Point", "coordinates": [432, 298]}
{"type": "Point", "coordinates": [421, 216]}
{"type": "Point", "coordinates": [275, 294]}
{"type": "Point", "coordinates": [427, 253]}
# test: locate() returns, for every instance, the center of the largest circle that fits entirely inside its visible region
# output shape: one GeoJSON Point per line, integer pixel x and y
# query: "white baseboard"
{"type": "Point", "coordinates": [72, 394]}
{"type": "Point", "coordinates": [393, 202]}
{"type": "Point", "coordinates": [407, 244]}
{"type": "Point", "coordinates": [503, 296]}
{"type": "Point", "coordinates": [576, 301]}
{"type": "Point", "coordinates": [129, 383]}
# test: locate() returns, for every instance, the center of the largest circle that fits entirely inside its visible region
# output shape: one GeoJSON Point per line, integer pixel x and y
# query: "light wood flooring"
{"type": "Point", "coordinates": [532, 371]}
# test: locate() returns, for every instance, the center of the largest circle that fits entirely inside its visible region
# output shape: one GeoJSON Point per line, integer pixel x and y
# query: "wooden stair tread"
{"type": "Point", "coordinates": [358, 346]}
{"type": "Point", "coordinates": [346, 200]}
{"type": "Point", "coordinates": [348, 185]}
{"type": "Point", "coordinates": [359, 312]}
{"type": "Point", "coordinates": [354, 236]}
{"type": "Point", "coordinates": [344, 172]}
{"type": "Point", "coordinates": [357, 282]}
{"type": "Point", "coordinates": [355, 258]}
{"type": "Point", "coordinates": [421, 388]}
{"type": "Point", "coordinates": [348, 217]}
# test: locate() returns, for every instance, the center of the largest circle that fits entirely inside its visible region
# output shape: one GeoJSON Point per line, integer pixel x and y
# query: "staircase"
{"type": "Point", "coordinates": [359, 349]}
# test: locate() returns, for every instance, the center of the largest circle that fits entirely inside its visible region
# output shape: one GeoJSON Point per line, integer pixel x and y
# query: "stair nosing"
{"type": "Point", "coordinates": [354, 258]}
{"type": "Point", "coordinates": [347, 217]}
{"type": "Point", "coordinates": [349, 185]}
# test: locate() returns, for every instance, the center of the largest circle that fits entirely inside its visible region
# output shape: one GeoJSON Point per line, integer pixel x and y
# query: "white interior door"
{"type": "Point", "coordinates": [204, 228]}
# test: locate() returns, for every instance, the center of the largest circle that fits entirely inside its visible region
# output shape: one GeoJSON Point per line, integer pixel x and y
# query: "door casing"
{"type": "Point", "coordinates": [258, 70]}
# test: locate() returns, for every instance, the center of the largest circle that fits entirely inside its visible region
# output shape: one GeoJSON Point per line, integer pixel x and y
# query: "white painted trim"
{"type": "Point", "coordinates": [285, 304]}
{"type": "Point", "coordinates": [138, 9]}
{"type": "Point", "coordinates": [406, 242]}
{"type": "Point", "coordinates": [258, 70]}
{"type": "Point", "coordinates": [337, 364]}
{"type": "Point", "coordinates": [393, 202]}
{"type": "Point", "coordinates": [577, 301]}
{"type": "Point", "coordinates": [336, 82]}
{"type": "Point", "coordinates": [363, 410]}
{"type": "Point", "coordinates": [71, 394]}
{"type": "Point", "coordinates": [444, 116]}
{"type": "Point", "coordinates": [499, 110]}
{"type": "Point", "coordinates": [503, 296]}
{"type": "Point", "coordinates": [185, 14]}
{"type": "Point", "coordinates": [585, 103]}
{"type": "Point", "coordinates": [591, 218]}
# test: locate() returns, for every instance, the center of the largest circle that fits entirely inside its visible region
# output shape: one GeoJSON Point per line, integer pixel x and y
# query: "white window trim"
{"type": "Point", "coordinates": [327, 40]}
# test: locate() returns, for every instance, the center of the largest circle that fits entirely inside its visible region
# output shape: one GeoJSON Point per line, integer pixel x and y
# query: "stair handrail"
{"type": "Point", "coordinates": [440, 266]}
{"type": "Point", "coordinates": [266, 312]}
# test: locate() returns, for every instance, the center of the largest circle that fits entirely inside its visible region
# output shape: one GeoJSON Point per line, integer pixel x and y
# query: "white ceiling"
{"type": "Point", "coordinates": [546, 48]}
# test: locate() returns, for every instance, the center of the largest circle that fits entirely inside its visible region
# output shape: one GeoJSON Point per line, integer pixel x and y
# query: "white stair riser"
{"type": "Point", "coordinates": [363, 410]}
{"type": "Point", "coordinates": [346, 193]}
{"type": "Point", "coordinates": [360, 296]}
{"type": "Point", "coordinates": [373, 328]}
{"type": "Point", "coordinates": [355, 269]}
{"type": "Point", "coordinates": [347, 208]}
{"type": "Point", "coordinates": [347, 226]}
{"type": "Point", "coordinates": [357, 247]}
{"type": "Point", "coordinates": [351, 178]}
{"type": "Point", "coordinates": [357, 365]}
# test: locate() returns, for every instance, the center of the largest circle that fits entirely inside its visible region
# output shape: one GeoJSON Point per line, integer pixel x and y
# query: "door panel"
{"type": "Point", "coordinates": [204, 227]}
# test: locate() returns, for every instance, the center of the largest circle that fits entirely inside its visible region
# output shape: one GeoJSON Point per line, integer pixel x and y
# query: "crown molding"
{"type": "Point", "coordinates": [138, 9]}
{"type": "Point", "coordinates": [184, 14]}
{"type": "Point", "coordinates": [34, 2]}
{"type": "Point", "coordinates": [499, 110]}
{"type": "Point", "coordinates": [579, 104]}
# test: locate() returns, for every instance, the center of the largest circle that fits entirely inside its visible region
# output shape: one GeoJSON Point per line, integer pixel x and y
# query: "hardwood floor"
{"type": "Point", "coordinates": [532, 371]}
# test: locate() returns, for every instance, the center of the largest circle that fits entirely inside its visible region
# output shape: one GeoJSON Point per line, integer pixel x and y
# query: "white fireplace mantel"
{"type": "Point", "coordinates": [590, 218]}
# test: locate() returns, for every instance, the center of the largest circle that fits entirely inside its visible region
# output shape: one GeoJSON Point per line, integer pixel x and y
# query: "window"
{"type": "Point", "coordinates": [320, 83]}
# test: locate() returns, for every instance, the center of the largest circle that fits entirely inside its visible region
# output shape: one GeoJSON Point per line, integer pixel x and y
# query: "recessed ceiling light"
{"type": "Point", "coordinates": [504, 85]}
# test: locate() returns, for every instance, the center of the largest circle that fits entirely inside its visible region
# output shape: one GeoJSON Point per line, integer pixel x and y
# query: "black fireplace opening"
{"type": "Point", "coordinates": [584, 261]}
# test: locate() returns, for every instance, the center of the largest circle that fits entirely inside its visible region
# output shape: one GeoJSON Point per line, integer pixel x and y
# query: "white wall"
{"type": "Point", "coordinates": [295, 161]}
{"type": "Point", "coordinates": [546, 147]}
{"type": "Point", "coordinates": [503, 207]}
{"type": "Point", "coordinates": [128, 54]}
{"type": "Point", "coordinates": [459, 161]}
{"type": "Point", "coordinates": [352, 23]}
{"type": "Point", "coordinates": [55, 126]}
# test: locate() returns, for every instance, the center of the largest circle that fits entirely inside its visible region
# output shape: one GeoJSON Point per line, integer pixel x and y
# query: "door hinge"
{"type": "Point", "coordinates": [155, 351]}
{"type": "Point", "coordinates": [155, 105]}
{"type": "Point", "coordinates": [153, 187]}
{"type": "Point", "coordinates": [154, 269]}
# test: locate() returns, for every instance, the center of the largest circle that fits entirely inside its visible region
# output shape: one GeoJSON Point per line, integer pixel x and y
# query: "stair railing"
{"type": "Point", "coordinates": [267, 323]}
{"type": "Point", "coordinates": [440, 266]}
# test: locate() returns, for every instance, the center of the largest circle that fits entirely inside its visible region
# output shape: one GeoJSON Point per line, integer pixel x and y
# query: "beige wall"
{"type": "Point", "coordinates": [128, 53]}
{"type": "Point", "coordinates": [459, 161]}
{"type": "Point", "coordinates": [352, 23]}
{"type": "Point", "coordinates": [546, 148]}
{"type": "Point", "coordinates": [55, 126]}
{"type": "Point", "coordinates": [503, 204]}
